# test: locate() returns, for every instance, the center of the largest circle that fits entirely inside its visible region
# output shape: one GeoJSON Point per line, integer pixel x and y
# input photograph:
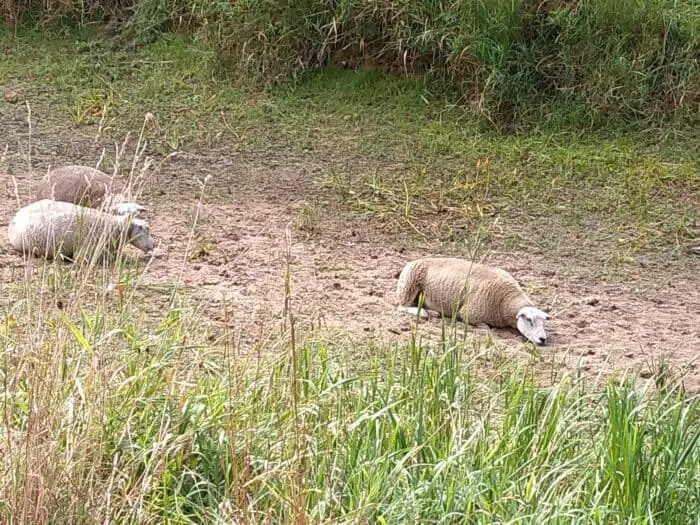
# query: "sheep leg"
{"type": "Point", "coordinates": [64, 258]}
{"type": "Point", "coordinates": [471, 318]}
{"type": "Point", "coordinates": [414, 310]}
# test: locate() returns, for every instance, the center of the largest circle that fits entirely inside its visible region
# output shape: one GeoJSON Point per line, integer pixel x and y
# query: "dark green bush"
{"type": "Point", "coordinates": [509, 60]}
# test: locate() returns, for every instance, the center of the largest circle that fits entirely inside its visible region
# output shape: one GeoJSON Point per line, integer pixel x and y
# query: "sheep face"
{"type": "Point", "coordinates": [530, 321]}
{"type": "Point", "coordinates": [140, 235]}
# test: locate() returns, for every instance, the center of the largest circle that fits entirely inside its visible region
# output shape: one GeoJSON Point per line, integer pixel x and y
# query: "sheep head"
{"type": "Point", "coordinates": [140, 235]}
{"type": "Point", "coordinates": [530, 322]}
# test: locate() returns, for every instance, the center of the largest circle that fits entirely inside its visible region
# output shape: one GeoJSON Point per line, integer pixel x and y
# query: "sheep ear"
{"type": "Point", "coordinates": [545, 315]}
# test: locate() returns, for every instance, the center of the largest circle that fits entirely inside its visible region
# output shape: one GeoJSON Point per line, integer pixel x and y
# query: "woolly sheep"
{"type": "Point", "coordinates": [87, 187]}
{"type": "Point", "coordinates": [49, 228]}
{"type": "Point", "coordinates": [477, 293]}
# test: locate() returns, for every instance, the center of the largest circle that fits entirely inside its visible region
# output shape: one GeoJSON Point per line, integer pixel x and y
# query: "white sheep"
{"type": "Point", "coordinates": [87, 187]}
{"type": "Point", "coordinates": [476, 293]}
{"type": "Point", "coordinates": [49, 228]}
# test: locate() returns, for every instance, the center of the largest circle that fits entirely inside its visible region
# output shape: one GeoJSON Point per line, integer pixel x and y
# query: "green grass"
{"type": "Point", "coordinates": [389, 148]}
{"type": "Point", "coordinates": [509, 62]}
{"type": "Point", "coordinates": [110, 417]}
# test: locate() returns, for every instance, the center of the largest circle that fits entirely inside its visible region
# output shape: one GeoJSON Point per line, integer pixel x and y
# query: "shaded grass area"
{"type": "Point", "coordinates": [111, 416]}
{"type": "Point", "coordinates": [390, 148]}
{"type": "Point", "coordinates": [509, 62]}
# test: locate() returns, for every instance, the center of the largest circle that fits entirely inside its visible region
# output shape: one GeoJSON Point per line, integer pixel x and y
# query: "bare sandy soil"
{"type": "Point", "coordinates": [342, 273]}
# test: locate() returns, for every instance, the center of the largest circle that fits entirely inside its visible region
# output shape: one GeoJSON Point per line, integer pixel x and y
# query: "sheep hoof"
{"type": "Point", "coordinates": [413, 310]}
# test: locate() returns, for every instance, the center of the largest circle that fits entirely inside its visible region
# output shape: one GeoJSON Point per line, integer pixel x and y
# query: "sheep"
{"type": "Point", "coordinates": [478, 294]}
{"type": "Point", "coordinates": [87, 187]}
{"type": "Point", "coordinates": [48, 228]}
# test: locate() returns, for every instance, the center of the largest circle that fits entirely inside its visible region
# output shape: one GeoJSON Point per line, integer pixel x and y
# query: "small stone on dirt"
{"type": "Point", "coordinates": [337, 286]}
{"type": "Point", "coordinates": [11, 96]}
{"type": "Point", "coordinates": [629, 354]}
{"type": "Point", "coordinates": [591, 301]}
{"type": "Point", "coordinates": [645, 374]}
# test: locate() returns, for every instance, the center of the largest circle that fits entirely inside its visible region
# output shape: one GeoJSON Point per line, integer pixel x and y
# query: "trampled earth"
{"type": "Point", "coordinates": [224, 221]}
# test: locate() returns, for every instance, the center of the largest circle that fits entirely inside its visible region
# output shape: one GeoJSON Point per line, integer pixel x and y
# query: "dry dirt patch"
{"type": "Point", "coordinates": [342, 273]}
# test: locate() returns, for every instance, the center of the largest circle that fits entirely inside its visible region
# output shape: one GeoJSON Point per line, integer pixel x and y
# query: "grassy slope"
{"type": "Point", "coordinates": [106, 414]}
{"type": "Point", "coordinates": [392, 149]}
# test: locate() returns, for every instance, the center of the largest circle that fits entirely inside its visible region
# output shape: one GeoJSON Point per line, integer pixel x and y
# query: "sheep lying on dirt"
{"type": "Point", "coordinates": [49, 228]}
{"type": "Point", "coordinates": [477, 293]}
{"type": "Point", "coordinates": [87, 187]}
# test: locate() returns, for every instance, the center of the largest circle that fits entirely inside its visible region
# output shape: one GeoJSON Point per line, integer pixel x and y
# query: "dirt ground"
{"type": "Point", "coordinates": [343, 272]}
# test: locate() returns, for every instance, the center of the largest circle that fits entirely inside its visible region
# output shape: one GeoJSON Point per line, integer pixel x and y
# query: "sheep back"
{"type": "Point", "coordinates": [480, 294]}
{"type": "Point", "coordinates": [80, 185]}
{"type": "Point", "coordinates": [48, 228]}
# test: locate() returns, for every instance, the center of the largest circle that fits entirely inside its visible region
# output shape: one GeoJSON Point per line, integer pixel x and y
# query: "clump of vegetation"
{"type": "Point", "coordinates": [110, 415]}
{"type": "Point", "coordinates": [513, 63]}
